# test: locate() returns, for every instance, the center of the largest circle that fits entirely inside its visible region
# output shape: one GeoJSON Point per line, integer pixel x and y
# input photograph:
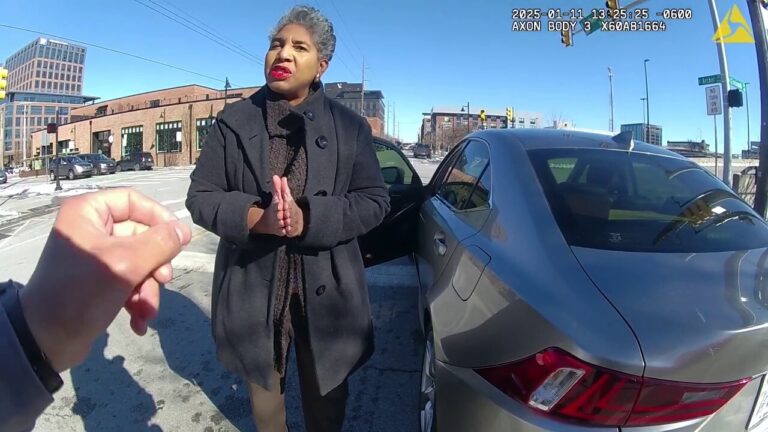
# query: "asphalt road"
{"type": "Point", "coordinates": [169, 380]}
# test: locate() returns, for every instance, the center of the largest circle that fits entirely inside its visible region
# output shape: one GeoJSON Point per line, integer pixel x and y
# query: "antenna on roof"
{"type": "Point", "coordinates": [625, 139]}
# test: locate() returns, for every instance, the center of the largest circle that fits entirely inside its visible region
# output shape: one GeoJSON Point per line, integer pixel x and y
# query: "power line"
{"type": "Point", "coordinates": [114, 51]}
{"type": "Point", "coordinates": [248, 57]}
{"type": "Point", "coordinates": [333, 4]}
{"type": "Point", "coordinates": [203, 26]}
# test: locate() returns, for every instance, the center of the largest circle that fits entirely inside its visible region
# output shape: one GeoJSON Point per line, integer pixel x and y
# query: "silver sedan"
{"type": "Point", "coordinates": [583, 282]}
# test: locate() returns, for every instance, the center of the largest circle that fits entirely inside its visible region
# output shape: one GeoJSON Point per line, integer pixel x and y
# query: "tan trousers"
{"type": "Point", "coordinates": [321, 413]}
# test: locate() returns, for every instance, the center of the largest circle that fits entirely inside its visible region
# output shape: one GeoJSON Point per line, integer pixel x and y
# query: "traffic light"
{"type": "Point", "coordinates": [510, 115]}
{"type": "Point", "coordinates": [735, 98]}
{"type": "Point", "coordinates": [612, 5]}
{"type": "Point", "coordinates": [3, 82]}
{"type": "Point", "coordinates": [482, 115]}
{"type": "Point", "coordinates": [566, 37]}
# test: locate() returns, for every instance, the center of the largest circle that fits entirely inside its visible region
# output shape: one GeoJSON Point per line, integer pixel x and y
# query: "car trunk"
{"type": "Point", "coordinates": [698, 317]}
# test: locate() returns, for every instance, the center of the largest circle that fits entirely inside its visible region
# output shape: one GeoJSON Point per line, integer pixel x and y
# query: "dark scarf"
{"type": "Point", "coordinates": [287, 158]}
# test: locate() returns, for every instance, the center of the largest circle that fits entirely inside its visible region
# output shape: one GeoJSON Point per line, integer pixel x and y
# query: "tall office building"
{"type": "Point", "coordinates": [45, 80]}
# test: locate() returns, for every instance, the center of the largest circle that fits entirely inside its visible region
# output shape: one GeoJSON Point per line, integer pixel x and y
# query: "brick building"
{"type": "Point", "coordinates": [443, 127]}
{"type": "Point", "coordinates": [371, 103]}
{"type": "Point", "coordinates": [171, 124]}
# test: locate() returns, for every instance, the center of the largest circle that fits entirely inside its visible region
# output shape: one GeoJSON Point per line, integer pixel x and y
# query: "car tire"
{"type": "Point", "coordinates": [118, 168]}
{"type": "Point", "coordinates": [52, 176]}
{"type": "Point", "coordinates": [71, 175]}
{"type": "Point", "coordinates": [136, 167]}
{"type": "Point", "coordinates": [427, 420]}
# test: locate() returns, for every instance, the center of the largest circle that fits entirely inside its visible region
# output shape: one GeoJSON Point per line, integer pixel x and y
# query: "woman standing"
{"type": "Point", "coordinates": [289, 270]}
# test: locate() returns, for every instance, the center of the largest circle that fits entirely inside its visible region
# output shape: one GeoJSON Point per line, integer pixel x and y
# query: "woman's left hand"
{"type": "Point", "coordinates": [293, 216]}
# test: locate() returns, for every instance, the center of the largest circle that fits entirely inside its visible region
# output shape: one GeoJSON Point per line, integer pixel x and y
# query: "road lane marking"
{"type": "Point", "coordinates": [194, 261]}
{"type": "Point", "coordinates": [14, 233]}
{"type": "Point", "coordinates": [169, 202]}
{"type": "Point", "coordinates": [13, 246]}
{"type": "Point", "coordinates": [181, 214]}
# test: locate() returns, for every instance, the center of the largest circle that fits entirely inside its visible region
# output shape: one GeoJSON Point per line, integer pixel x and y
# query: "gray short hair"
{"type": "Point", "coordinates": [316, 23]}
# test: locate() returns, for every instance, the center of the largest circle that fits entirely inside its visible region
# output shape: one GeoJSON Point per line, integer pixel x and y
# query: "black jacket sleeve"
{"type": "Point", "coordinates": [339, 218]}
{"type": "Point", "coordinates": [212, 205]}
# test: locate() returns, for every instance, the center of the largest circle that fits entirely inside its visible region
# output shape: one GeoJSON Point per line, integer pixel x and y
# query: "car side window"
{"type": "Point", "coordinates": [444, 169]}
{"type": "Point", "coordinates": [393, 167]}
{"type": "Point", "coordinates": [460, 184]}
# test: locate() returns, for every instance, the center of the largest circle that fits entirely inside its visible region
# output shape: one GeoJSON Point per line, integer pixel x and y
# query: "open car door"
{"type": "Point", "coordinates": [396, 235]}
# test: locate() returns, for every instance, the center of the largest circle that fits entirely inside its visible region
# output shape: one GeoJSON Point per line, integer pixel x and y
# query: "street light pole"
{"type": "Point", "coordinates": [725, 78]}
{"type": "Point", "coordinates": [746, 96]}
{"type": "Point", "coordinates": [610, 82]}
{"type": "Point", "coordinates": [644, 102]}
{"type": "Point", "coordinates": [647, 103]}
{"type": "Point", "coordinates": [56, 146]}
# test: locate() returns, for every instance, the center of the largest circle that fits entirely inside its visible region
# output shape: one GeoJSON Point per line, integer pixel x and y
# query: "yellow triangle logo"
{"type": "Point", "coordinates": [734, 29]}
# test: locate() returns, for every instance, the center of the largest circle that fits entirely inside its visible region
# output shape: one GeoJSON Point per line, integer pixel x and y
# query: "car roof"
{"type": "Point", "coordinates": [564, 138]}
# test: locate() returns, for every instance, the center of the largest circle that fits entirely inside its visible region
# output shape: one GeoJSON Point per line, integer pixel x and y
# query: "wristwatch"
{"type": "Point", "coordinates": [50, 379]}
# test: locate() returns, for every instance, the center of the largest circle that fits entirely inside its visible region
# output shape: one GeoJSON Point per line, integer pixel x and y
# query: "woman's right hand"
{"type": "Point", "coordinates": [272, 219]}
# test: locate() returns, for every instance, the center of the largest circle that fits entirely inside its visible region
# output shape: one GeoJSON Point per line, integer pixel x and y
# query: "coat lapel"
{"type": "Point", "coordinates": [321, 144]}
{"type": "Point", "coordinates": [255, 141]}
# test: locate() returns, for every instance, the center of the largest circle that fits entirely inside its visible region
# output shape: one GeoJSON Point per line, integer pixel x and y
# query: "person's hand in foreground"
{"type": "Point", "coordinates": [107, 250]}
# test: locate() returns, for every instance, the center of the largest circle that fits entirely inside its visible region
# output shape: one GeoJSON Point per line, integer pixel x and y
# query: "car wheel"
{"type": "Point", "coordinates": [52, 176]}
{"type": "Point", "coordinates": [428, 386]}
{"type": "Point", "coordinates": [136, 167]}
{"type": "Point", "coordinates": [71, 175]}
{"type": "Point", "coordinates": [118, 168]}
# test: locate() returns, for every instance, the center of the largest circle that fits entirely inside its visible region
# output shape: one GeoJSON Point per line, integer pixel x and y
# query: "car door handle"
{"type": "Point", "coordinates": [440, 246]}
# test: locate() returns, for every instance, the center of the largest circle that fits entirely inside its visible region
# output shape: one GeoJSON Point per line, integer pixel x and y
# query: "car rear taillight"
{"type": "Point", "coordinates": [559, 384]}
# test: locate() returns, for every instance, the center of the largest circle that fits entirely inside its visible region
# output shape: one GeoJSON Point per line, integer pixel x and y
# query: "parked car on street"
{"type": "Point", "coordinates": [71, 167]}
{"type": "Point", "coordinates": [3, 177]}
{"type": "Point", "coordinates": [580, 282]}
{"type": "Point", "coordinates": [101, 163]}
{"type": "Point", "coordinates": [422, 150]}
{"type": "Point", "coordinates": [136, 161]}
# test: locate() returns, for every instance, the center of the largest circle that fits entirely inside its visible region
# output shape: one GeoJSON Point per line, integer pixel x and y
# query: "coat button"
{"type": "Point", "coordinates": [320, 290]}
{"type": "Point", "coordinates": [322, 142]}
{"type": "Point", "coordinates": [321, 192]}
{"type": "Point", "coordinates": [309, 114]}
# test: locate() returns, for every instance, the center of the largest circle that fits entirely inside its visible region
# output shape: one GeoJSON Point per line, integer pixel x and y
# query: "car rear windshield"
{"type": "Point", "coordinates": [638, 202]}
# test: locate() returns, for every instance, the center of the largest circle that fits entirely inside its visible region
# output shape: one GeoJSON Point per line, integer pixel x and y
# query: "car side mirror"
{"type": "Point", "coordinates": [393, 175]}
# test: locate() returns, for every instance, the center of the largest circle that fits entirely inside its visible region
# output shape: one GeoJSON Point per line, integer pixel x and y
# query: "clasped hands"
{"type": "Point", "coordinates": [283, 217]}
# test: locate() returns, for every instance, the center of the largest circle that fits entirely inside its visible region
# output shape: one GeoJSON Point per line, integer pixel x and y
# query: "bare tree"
{"type": "Point", "coordinates": [554, 119]}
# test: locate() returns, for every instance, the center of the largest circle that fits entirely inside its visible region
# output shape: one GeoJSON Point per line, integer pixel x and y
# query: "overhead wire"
{"type": "Point", "coordinates": [248, 57]}
{"type": "Point", "coordinates": [63, 38]}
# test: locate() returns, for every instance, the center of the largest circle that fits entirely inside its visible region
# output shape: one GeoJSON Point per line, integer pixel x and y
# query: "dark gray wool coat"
{"type": "Point", "coordinates": [346, 198]}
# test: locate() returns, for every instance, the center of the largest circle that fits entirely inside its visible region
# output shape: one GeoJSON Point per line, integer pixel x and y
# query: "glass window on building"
{"type": "Point", "coordinates": [203, 126]}
{"type": "Point", "coordinates": [168, 137]}
{"type": "Point", "coordinates": [36, 110]}
{"type": "Point", "coordinates": [132, 139]}
{"type": "Point", "coordinates": [49, 110]}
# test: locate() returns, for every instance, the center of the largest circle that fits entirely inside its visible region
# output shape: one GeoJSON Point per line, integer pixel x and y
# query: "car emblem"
{"type": "Point", "coordinates": [614, 237]}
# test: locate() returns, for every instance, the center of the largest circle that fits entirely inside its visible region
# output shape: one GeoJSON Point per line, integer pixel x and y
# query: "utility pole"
{"type": "Point", "coordinates": [610, 98]}
{"type": "Point", "coordinates": [386, 121]}
{"type": "Point", "coordinates": [746, 96]}
{"type": "Point", "coordinates": [362, 92]}
{"type": "Point", "coordinates": [646, 135]}
{"type": "Point", "coordinates": [394, 118]}
{"type": "Point", "coordinates": [759, 18]}
{"type": "Point", "coordinates": [725, 83]}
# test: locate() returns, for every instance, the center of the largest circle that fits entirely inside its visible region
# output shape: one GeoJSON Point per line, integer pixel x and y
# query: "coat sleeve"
{"type": "Point", "coordinates": [211, 204]}
{"type": "Point", "coordinates": [335, 219]}
{"type": "Point", "coordinates": [22, 396]}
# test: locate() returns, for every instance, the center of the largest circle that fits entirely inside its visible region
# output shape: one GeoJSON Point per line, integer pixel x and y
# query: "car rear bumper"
{"type": "Point", "coordinates": [465, 402]}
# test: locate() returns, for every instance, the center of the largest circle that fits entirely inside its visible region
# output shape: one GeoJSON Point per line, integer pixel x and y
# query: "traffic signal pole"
{"type": "Point", "coordinates": [726, 108]}
{"type": "Point", "coordinates": [758, 18]}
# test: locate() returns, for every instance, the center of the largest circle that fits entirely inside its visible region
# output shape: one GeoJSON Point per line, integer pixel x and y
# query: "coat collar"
{"type": "Point", "coordinates": [248, 120]}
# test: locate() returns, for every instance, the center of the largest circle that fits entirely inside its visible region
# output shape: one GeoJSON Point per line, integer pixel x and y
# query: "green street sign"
{"type": "Point", "coordinates": [712, 79]}
{"type": "Point", "coordinates": [717, 79]}
{"type": "Point", "coordinates": [591, 24]}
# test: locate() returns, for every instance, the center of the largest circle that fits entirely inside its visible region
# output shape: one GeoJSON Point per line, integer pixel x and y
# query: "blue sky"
{"type": "Point", "coordinates": [420, 53]}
